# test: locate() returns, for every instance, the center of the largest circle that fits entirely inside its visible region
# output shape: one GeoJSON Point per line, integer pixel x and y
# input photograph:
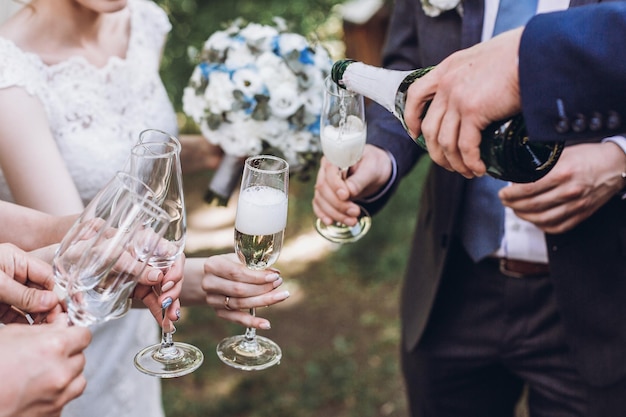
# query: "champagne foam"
{"type": "Point", "coordinates": [261, 210]}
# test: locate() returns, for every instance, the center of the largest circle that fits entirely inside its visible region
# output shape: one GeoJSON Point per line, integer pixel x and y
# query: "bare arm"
{"type": "Point", "coordinates": [29, 157]}
{"type": "Point", "coordinates": [198, 154]}
{"type": "Point", "coordinates": [32, 229]}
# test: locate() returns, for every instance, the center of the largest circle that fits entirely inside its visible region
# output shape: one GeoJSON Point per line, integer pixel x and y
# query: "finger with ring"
{"type": "Point", "coordinates": [226, 301]}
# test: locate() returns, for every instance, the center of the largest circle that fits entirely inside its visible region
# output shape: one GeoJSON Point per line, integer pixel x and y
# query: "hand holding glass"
{"type": "Point", "coordinates": [100, 259]}
{"type": "Point", "coordinates": [343, 134]}
{"type": "Point", "coordinates": [259, 228]}
{"type": "Point", "coordinates": [156, 161]}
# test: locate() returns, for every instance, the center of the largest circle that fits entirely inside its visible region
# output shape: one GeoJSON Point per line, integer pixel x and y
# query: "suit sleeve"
{"type": "Point", "coordinates": [572, 73]}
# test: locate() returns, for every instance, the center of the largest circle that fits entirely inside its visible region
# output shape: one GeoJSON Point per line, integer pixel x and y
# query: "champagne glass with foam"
{"type": "Point", "coordinates": [343, 133]}
{"type": "Point", "coordinates": [259, 228]}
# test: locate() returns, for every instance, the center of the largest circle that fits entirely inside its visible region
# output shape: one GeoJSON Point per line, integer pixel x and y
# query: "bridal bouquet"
{"type": "Point", "coordinates": [257, 89]}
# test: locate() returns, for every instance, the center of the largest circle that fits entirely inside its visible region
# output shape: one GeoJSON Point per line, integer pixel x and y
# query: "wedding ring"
{"type": "Point", "coordinates": [226, 300]}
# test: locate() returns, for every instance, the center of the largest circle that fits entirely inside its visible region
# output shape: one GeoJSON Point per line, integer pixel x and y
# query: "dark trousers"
{"type": "Point", "coordinates": [487, 337]}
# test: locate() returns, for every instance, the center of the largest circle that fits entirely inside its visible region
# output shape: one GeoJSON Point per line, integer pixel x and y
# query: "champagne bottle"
{"type": "Point", "coordinates": [504, 148]}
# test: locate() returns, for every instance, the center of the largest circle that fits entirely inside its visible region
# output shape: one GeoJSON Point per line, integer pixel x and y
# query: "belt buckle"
{"type": "Point", "coordinates": [505, 271]}
{"type": "Point", "coordinates": [525, 270]}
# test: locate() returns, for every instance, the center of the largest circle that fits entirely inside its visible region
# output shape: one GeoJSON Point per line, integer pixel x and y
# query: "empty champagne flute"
{"type": "Point", "coordinates": [259, 229]}
{"type": "Point", "coordinates": [99, 208]}
{"type": "Point", "coordinates": [98, 262]}
{"type": "Point", "coordinates": [343, 133]}
{"type": "Point", "coordinates": [156, 161]}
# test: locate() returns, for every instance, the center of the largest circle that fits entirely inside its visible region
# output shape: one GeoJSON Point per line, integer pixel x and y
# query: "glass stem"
{"type": "Point", "coordinates": [251, 331]}
{"type": "Point", "coordinates": [167, 330]}
{"type": "Point", "coordinates": [343, 172]}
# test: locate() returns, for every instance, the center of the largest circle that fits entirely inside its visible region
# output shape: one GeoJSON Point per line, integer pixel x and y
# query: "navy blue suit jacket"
{"type": "Point", "coordinates": [573, 73]}
{"type": "Point", "coordinates": [588, 263]}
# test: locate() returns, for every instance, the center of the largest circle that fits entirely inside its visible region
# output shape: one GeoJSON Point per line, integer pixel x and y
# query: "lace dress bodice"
{"type": "Point", "coordinates": [96, 115]}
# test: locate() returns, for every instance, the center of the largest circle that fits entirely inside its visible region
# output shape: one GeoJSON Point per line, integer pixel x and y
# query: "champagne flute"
{"type": "Point", "coordinates": [259, 228]}
{"type": "Point", "coordinates": [99, 208]}
{"type": "Point", "coordinates": [156, 161]}
{"type": "Point", "coordinates": [99, 260]}
{"type": "Point", "coordinates": [343, 133]}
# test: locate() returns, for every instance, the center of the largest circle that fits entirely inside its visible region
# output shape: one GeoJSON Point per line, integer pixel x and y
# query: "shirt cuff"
{"type": "Point", "coordinates": [621, 142]}
{"type": "Point", "coordinates": [392, 179]}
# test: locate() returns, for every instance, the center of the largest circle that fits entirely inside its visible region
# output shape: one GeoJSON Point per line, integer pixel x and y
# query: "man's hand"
{"type": "Point", "coordinates": [576, 187]}
{"type": "Point", "coordinates": [333, 199]}
{"type": "Point", "coordinates": [469, 90]}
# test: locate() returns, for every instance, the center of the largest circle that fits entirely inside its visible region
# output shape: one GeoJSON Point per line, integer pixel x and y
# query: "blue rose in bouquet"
{"type": "Point", "coordinates": [258, 89]}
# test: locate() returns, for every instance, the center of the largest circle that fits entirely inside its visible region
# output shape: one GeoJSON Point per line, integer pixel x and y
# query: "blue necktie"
{"type": "Point", "coordinates": [482, 220]}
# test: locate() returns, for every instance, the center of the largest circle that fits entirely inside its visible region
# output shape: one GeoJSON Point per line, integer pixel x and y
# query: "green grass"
{"type": "Point", "coordinates": [340, 338]}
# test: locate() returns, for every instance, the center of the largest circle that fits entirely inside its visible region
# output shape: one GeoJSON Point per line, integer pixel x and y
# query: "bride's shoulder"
{"type": "Point", "coordinates": [12, 56]}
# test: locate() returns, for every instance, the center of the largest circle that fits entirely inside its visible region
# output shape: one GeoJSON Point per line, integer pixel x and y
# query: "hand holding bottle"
{"type": "Point", "coordinates": [574, 190]}
{"type": "Point", "coordinates": [476, 127]}
{"type": "Point", "coordinates": [469, 90]}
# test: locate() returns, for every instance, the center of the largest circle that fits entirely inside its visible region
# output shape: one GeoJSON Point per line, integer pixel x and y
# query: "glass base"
{"type": "Point", "coordinates": [171, 362]}
{"type": "Point", "coordinates": [341, 233]}
{"type": "Point", "coordinates": [249, 355]}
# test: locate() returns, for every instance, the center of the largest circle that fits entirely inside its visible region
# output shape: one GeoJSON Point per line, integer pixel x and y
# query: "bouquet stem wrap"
{"type": "Point", "coordinates": [225, 179]}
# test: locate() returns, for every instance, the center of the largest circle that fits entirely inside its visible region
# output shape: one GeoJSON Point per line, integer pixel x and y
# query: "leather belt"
{"type": "Point", "coordinates": [522, 269]}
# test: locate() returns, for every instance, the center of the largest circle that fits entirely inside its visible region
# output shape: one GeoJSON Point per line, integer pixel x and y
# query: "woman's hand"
{"type": "Point", "coordinates": [45, 364]}
{"type": "Point", "coordinates": [157, 291]}
{"type": "Point", "coordinates": [26, 283]}
{"type": "Point", "coordinates": [224, 283]}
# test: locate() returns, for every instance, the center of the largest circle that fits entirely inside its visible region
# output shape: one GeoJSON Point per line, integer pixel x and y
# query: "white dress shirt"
{"type": "Point", "coordinates": [522, 240]}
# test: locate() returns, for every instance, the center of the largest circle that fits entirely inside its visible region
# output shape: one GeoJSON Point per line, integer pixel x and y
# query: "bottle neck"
{"type": "Point", "coordinates": [377, 84]}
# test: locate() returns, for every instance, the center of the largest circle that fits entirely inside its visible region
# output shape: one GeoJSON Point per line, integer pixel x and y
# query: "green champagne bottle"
{"type": "Point", "coordinates": [504, 148]}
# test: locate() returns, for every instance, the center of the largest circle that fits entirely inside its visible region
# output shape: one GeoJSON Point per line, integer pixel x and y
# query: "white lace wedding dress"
{"type": "Point", "coordinates": [96, 115]}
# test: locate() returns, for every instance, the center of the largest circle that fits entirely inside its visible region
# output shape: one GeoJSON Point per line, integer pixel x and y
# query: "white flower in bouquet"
{"type": "Point", "coordinates": [434, 8]}
{"type": "Point", "coordinates": [258, 89]}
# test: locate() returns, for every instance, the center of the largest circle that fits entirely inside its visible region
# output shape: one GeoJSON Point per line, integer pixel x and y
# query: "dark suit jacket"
{"type": "Point", "coordinates": [575, 60]}
{"type": "Point", "coordinates": [588, 263]}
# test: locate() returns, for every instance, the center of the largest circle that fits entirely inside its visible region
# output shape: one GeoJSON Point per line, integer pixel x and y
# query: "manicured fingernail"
{"type": "Point", "coordinates": [277, 283]}
{"type": "Point", "coordinates": [155, 275]}
{"type": "Point", "coordinates": [265, 326]}
{"type": "Point", "coordinates": [272, 277]}
{"type": "Point", "coordinates": [177, 314]}
{"type": "Point", "coordinates": [166, 303]}
{"type": "Point", "coordinates": [281, 295]}
{"type": "Point", "coordinates": [168, 285]}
